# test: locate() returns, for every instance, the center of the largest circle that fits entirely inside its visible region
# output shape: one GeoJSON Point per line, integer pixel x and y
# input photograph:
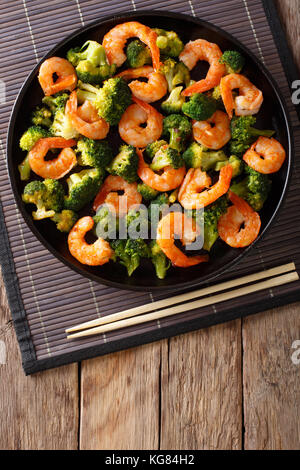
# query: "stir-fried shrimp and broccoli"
{"type": "Point", "coordinates": [127, 129]}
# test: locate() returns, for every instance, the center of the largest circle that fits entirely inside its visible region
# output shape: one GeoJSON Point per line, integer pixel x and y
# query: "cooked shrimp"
{"type": "Point", "coordinates": [67, 78]}
{"type": "Point", "coordinates": [58, 166]}
{"type": "Point", "coordinates": [211, 53]}
{"type": "Point", "coordinates": [176, 223]}
{"type": "Point", "coordinates": [85, 119]}
{"type": "Point", "coordinates": [130, 129]}
{"type": "Point", "coordinates": [97, 253]}
{"type": "Point", "coordinates": [121, 203]}
{"type": "Point", "coordinates": [114, 42]}
{"type": "Point", "coordinates": [247, 102]}
{"type": "Point", "coordinates": [195, 196]}
{"type": "Point", "coordinates": [213, 137]}
{"type": "Point", "coordinates": [265, 155]}
{"type": "Point", "coordinates": [229, 226]}
{"type": "Point", "coordinates": [153, 90]}
{"type": "Point", "coordinates": [166, 181]}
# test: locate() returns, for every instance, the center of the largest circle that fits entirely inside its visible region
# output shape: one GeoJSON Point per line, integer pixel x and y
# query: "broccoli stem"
{"type": "Point", "coordinates": [258, 132]}
{"type": "Point", "coordinates": [175, 139]}
{"type": "Point", "coordinates": [24, 169]}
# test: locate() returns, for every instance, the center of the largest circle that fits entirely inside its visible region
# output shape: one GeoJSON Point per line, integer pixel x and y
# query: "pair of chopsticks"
{"type": "Point", "coordinates": [163, 308]}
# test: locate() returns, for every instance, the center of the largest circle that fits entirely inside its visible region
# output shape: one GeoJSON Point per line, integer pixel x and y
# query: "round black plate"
{"type": "Point", "coordinates": [272, 115]}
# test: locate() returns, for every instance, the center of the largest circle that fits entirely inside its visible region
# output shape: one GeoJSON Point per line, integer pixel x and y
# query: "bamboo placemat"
{"type": "Point", "coordinates": [53, 296]}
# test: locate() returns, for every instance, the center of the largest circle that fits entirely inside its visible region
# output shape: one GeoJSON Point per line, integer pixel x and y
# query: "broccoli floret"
{"type": "Point", "coordinates": [175, 73]}
{"type": "Point", "coordinates": [110, 101]}
{"type": "Point", "coordinates": [255, 188]}
{"type": "Point", "coordinates": [147, 193]}
{"type": "Point", "coordinates": [83, 186]}
{"type": "Point", "coordinates": [41, 116]}
{"type": "Point", "coordinates": [211, 217]}
{"type": "Point", "coordinates": [159, 260]}
{"type": "Point", "coordinates": [153, 148]}
{"type": "Point", "coordinates": [216, 93]}
{"type": "Point", "coordinates": [173, 104]}
{"type": "Point", "coordinates": [158, 207]}
{"type": "Point", "coordinates": [169, 42]}
{"type": "Point", "coordinates": [178, 128]}
{"type": "Point", "coordinates": [138, 54]}
{"type": "Point", "coordinates": [91, 63]}
{"type": "Point", "coordinates": [233, 61]}
{"type": "Point", "coordinates": [65, 220]}
{"type": "Point", "coordinates": [106, 222]}
{"type": "Point", "coordinates": [129, 253]}
{"type": "Point", "coordinates": [236, 163]}
{"type": "Point", "coordinates": [198, 156]}
{"type": "Point", "coordinates": [125, 164]}
{"type": "Point", "coordinates": [24, 169]}
{"type": "Point", "coordinates": [200, 107]}
{"type": "Point", "coordinates": [94, 153]}
{"type": "Point", "coordinates": [166, 156]}
{"type": "Point", "coordinates": [137, 223]}
{"type": "Point", "coordinates": [243, 134]}
{"type": "Point", "coordinates": [62, 125]}
{"type": "Point", "coordinates": [47, 195]}
{"type": "Point", "coordinates": [31, 136]}
{"type": "Point", "coordinates": [238, 148]}
{"type": "Point", "coordinates": [56, 101]}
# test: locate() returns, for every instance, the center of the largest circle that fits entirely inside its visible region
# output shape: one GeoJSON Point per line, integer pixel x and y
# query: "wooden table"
{"type": "Point", "coordinates": [231, 386]}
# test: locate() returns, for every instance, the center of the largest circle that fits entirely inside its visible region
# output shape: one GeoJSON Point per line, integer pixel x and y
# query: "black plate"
{"type": "Point", "coordinates": [273, 114]}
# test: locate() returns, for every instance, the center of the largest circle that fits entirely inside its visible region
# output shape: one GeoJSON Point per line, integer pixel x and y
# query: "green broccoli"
{"type": "Point", "coordinates": [233, 61]}
{"type": "Point", "coordinates": [167, 156]}
{"type": "Point", "coordinates": [41, 116]}
{"type": "Point", "coordinates": [236, 163]}
{"type": "Point", "coordinates": [173, 104]}
{"type": "Point", "coordinates": [83, 186]}
{"type": "Point", "coordinates": [178, 128]}
{"type": "Point", "coordinates": [138, 54]}
{"type": "Point", "coordinates": [147, 193]}
{"type": "Point", "coordinates": [198, 156]}
{"type": "Point", "coordinates": [153, 148]}
{"type": "Point", "coordinates": [125, 164]}
{"type": "Point", "coordinates": [168, 42]}
{"type": "Point", "coordinates": [175, 73]}
{"type": "Point", "coordinates": [157, 208]}
{"type": "Point", "coordinates": [159, 260]}
{"type": "Point", "coordinates": [94, 153]}
{"type": "Point", "coordinates": [243, 134]}
{"type": "Point", "coordinates": [91, 63]}
{"type": "Point", "coordinates": [254, 188]}
{"type": "Point", "coordinates": [200, 107]}
{"type": "Point", "coordinates": [31, 136]}
{"type": "Point", "coordinates": [56, 101]}
{"type": "Point", "coordinates": [106, 222]}
{"type": "Point", "coordinates": [47, 195]}
{"type": "Point", "coordinates": [137, 223]}
{"type": "Point", "coordinates": [24, 169]}
{"type": "Point", "coordinates": [110, 101]}
{"type": "Point", "coordinates": [65, 220]}
{"type": "Point", "coordinates": [130, 252]}
{"type": "Point", "coordinates": [216, 93]}
{"type": "Point", "coordinates": [62, 125]}
{"type": "Point", "coordinates": [212, 214]}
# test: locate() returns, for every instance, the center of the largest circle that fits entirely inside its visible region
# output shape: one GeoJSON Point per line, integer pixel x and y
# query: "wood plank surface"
{"type": "Point", "coordinates": [271, 379]}
{"type": "Point", "coordinates": [120, 396]}
{"type": "Point", "coordinates": [201, 404]}
{"type": "Point", "coordinates": [289, 12]}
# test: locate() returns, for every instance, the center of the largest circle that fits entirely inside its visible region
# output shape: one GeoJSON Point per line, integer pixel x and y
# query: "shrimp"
{"type": "Point", "coordinates": [213, 137]}
{"type": "Point", "coordinates": [168, 180]}
{"type": "Point", "coordinates": [153, 90]}
{"type": "Point", "coordinates": [114, 42]}
{"type": "Point", "coordinates": [193, 194]}
{"type": "Point", "coordinates": [67, 78]}
{"type": "Point", "coordinates": [176, 223]}
{"type": "Point", "coordinates": [229, 225]}
{"type": "Point", "coordinates": [120, 203]}
{"type": "Point", "coordinates": [130, 129]}
{"type": "Point", "coordinates": [247, 102]}
{"type": "Point", "coordinates": [265, 155]}
{"type": "Point", "coordinates": [211, 53]}
{"type": "Point", "coordinates": [97, 253]}
{"type": "Point", "coordinates": [58, 166]}
{"type": "Point", "coordinates": [85, 119]}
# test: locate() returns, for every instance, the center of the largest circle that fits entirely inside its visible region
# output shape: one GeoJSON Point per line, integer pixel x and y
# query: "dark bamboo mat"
{"type": "Point", "coordinates": [53, 296]}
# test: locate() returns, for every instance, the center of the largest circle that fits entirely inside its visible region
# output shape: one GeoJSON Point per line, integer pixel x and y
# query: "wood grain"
{"type": "Point", "coordinates": [120, 400]}
{"type": "Point", "coordinates": [289, 12]}
{"type": "Point", "coordinates": [201, 404]}
{"type": "Point", "coordinates": [271, 380]}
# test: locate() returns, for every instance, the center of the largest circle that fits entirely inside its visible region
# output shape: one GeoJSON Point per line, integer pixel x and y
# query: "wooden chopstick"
{"type": "Point", "coordinates": [183, 297]}
{"type": "Point", "coordinates": [224, 296]}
